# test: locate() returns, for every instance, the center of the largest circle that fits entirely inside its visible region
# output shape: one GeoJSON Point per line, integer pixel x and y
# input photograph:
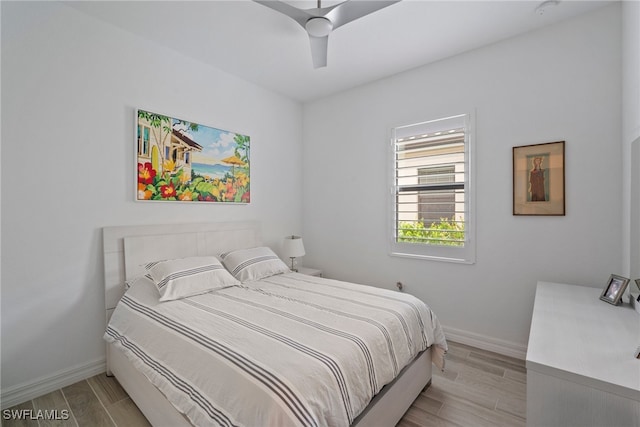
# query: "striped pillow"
{"type": "Point", "coordinates": [185, 277]}
{"type": "Point", "coordinates": [253, 264]}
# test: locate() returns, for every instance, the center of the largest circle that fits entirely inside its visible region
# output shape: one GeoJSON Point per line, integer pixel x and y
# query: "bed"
{"type": "Point", "coordinates": [228, 378]}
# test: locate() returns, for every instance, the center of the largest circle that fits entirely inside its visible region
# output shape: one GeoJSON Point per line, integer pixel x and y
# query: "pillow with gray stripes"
{"type": "Point", "coordinates": [185, 277]}
{"type": "Point", "coordinates": [253, 264]}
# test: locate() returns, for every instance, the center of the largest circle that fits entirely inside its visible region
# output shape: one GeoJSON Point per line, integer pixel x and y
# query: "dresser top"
{"type": "Point", "coordinates": [576, 336]}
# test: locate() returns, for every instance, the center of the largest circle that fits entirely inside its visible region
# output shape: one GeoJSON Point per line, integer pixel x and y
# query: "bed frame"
{"type": "Point", "coordinates": [128, 248]}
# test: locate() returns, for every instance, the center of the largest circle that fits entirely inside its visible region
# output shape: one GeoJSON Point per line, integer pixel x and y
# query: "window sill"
{"type": "Point", "coordinates": [433, 258]}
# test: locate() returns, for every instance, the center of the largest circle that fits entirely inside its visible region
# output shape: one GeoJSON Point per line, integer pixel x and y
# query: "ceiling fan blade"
{"type": "Point", "coordinates": [319, 51]}
{"type": "Point", "coordinates": [299, 15]}
{"type": "Point", "coordinates": [351, 10]}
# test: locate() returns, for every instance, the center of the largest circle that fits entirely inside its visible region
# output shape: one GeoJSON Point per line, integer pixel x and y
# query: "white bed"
{"type": "Point", "coordinates": [127, 249]}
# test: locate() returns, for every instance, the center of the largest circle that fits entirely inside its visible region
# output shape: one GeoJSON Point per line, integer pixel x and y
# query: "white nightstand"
{"type": "Point", "coordinates": [310, 271]}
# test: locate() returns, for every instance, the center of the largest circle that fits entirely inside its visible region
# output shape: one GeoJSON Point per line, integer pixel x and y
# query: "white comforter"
{"type": "Point", "coordinates": [289, 350]}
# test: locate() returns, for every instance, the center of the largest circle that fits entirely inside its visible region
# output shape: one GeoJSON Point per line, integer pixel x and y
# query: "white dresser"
{"type": "Point", "coordinates": [581, 370]}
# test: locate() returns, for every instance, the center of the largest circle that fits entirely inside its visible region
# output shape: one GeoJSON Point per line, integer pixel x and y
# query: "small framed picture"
{"type": "Point", "coordinates": [614, 289]}
{"type": "Point", "coordinates": [538, 179]}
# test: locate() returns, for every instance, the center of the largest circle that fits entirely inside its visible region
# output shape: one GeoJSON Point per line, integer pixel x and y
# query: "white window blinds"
{"type": "Point", "coordinates": [432, 190]}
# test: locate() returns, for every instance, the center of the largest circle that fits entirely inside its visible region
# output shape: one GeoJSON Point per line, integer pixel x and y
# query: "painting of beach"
{"type": "Point", "coordinates": [178, 160]}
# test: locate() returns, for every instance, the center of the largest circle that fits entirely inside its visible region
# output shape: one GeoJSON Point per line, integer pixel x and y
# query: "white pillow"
{"type": "Point", "coordinates": [253, 264]}
{"type": "Point", "coordinates": [130, 283]}
{"type": "Point", "coordinates": [185, 277]}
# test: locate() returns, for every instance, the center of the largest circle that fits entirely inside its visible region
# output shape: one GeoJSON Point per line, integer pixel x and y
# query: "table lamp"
{"type": "Point", "coordinates": [293, 248]}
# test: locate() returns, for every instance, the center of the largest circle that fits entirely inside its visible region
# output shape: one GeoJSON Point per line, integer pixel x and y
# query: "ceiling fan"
{"type": "Point", "coordinates": [320, 21]}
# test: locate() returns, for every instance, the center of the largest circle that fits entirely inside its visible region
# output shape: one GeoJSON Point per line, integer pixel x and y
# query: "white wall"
{"type": "Point", "coordinates": [559, 83]}
{"type": "Point", "coordinates": [70, 85]}
{"type": "Point", "coordinates": [631, 136]}
{"type": "Point", "coordinates": [631, 70]}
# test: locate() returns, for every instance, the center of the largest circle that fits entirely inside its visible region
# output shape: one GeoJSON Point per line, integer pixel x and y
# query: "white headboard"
{"type": "Point", "coordinates": [127, 248]}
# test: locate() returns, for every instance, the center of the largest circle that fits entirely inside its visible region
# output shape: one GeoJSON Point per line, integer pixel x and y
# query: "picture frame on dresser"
{"type": "Point", "coordinates": [614, 290]}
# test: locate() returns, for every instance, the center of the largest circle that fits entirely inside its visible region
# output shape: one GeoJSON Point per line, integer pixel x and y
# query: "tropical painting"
{"type": "Point", "coordinates": [178, 160]}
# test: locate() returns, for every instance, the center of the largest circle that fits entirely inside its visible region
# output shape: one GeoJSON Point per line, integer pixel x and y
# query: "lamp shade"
{"type": "Point", "coordinates": [293, 247]}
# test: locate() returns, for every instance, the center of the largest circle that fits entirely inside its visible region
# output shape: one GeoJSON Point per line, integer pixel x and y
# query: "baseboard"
{"type": "Point", "coordinates": [484, 342]}
{"type": "Point", "coordinates": [30, 390]}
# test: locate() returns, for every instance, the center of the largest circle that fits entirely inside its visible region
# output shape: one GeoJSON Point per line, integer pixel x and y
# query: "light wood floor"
{"type": "Point", "coordinates": [477, 389]}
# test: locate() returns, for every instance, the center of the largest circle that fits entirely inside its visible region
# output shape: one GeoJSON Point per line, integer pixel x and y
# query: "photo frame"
{"type": "Point", "coordinates": [538, 179]}
{"type": "Point", "coordinates": [183, 161]}
{"type": "Point", "coordinates": [616, 286]}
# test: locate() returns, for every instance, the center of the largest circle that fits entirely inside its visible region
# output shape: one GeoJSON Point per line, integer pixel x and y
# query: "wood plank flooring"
{"type": "Point", "coordinates": [478, 388]}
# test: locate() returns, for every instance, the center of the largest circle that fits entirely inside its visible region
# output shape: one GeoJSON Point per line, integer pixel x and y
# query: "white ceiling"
{"type": "Point", "coordinates": [269, 49]}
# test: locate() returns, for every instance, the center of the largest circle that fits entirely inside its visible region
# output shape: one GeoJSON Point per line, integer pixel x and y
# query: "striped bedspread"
{"type": "Point", "coordinates": [289, 350]}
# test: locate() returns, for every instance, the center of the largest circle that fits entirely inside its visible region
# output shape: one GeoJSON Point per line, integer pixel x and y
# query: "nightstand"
{"type": "Point", "coordinates": [310, 271]}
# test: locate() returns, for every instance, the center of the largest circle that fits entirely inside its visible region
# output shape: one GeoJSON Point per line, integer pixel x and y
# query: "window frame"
{"type": "Point", "coordinates": [465, 254]}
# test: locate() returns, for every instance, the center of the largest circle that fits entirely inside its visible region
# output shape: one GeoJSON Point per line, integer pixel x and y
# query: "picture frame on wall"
{"type": "Point", "coordinates": [538, 179]}
{"type": "Point", "coordinates": [183, 161]}
{"type": "Point", "coordinates": [616, 286]}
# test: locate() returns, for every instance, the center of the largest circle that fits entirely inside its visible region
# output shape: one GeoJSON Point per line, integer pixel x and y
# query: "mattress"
{"type": "Point", "coordinates": [288, 350]}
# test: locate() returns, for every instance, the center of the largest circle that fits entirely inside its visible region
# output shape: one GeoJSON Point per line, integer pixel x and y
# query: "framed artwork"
{"type": "Point", "coordinates": [538, 179]}
{"type": "Point", "coordinates": [182, 161]}
{"type": "Point", "coordinates": [614, 289]}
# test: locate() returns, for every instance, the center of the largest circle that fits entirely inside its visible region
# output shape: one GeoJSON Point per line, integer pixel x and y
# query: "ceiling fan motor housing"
{"type": "Point", "coordinates": [318, 27]}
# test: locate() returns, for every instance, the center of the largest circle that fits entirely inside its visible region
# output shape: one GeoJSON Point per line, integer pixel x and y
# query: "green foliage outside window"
{"type": "Point", "coordinates": [446, 232]}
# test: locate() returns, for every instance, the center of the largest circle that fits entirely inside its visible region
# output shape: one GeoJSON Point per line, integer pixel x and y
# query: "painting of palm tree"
{"type": "Point", "coordinates": [179, 160]}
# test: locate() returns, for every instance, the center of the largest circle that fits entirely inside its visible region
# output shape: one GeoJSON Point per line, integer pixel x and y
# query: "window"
{"type": "Point", "coordinates": [143, 140]}
{"type": "Point", "coordinates": [432, 204]}
{"type": "Point", "coordinates": [432, 193]}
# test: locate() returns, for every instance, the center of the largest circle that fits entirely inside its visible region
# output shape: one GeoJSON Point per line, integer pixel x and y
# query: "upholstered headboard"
{"type": "Point", "coordinates": [127, 248]}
